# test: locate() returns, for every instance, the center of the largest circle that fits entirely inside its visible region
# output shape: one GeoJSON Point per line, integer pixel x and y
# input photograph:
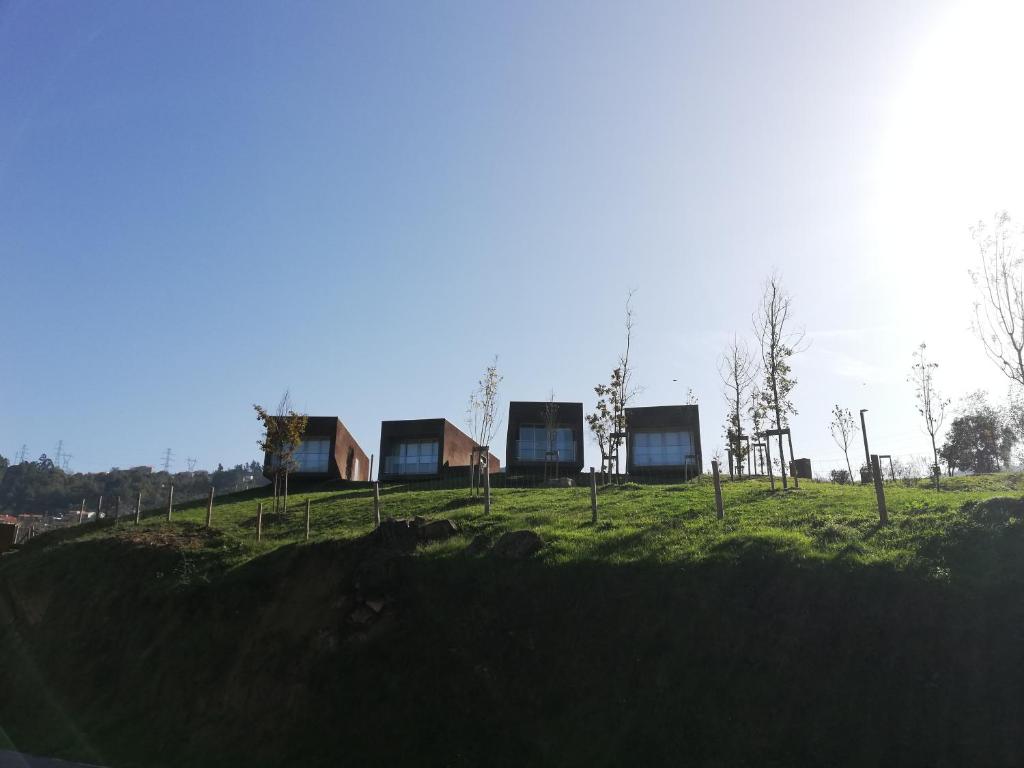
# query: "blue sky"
{"type": "Point", "coordinates": [203, 204]}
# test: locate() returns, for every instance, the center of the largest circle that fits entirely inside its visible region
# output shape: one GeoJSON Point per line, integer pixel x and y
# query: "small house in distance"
{"type": "Point", "coordinates": [327, 452]}
{"type": "Point", "coordinates": [426, 449]}
{"type": "Point", "coordinates": [528, 445]}
{"type": "Point", "coordinates": [663, 440]}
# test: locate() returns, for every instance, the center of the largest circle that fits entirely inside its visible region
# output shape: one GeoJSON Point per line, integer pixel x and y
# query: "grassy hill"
{"type": "Point", "coordinates": [796, 631]}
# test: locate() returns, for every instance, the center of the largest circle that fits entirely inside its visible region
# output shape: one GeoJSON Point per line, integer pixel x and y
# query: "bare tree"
{"type": "Point", "coordinates": [930, 404]}
{"type": "Point", "coordinates": [999, 311]}
{"type": "Point", "coordinates": [482, 413]}
{"type": "Point", "coordinates": [843, 429]}
{"type": "Point", "coordinates": [282, 435]}
{"type": "Point", "coordinates": [738, 373]}
{"type": "Point", "coordinates": [551, 435]}
{"type": "Point", "coordinates": [779, 342]}
{"type": "Point", "coordinates": [624, 384]}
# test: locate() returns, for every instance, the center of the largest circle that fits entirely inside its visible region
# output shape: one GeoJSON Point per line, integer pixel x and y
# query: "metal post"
{"type": "Point", "coordinates": [376, 502]}
{"type": "Point", "coordinates": [307, 518]}
{"type": "Point", "coordinates": [209, 509]}
{"type": "Point", "coordinates": [259, 522]}
{"type": "Point", "coordinates": [99, 508]}
{"type": "Point", "coordinates": [138, 508]}
{"type": "Point", "coordinates": [81, 512]}
{"type": "Point", "coordinates": [864, 432]}
{"type": "Point", "coordinates": [883, 514]}
{"type": "Point", "coordinates": [719, 508]}
{"type": "Point", "coordinates": [170, 501]}
{"type": "Point", "coordinates": [593, 496]}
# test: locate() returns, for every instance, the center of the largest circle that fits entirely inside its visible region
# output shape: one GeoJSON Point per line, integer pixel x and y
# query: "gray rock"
{"type": "Point", "coordinates": [516, 545]}
{"type": "Point", "coordinates": [478, 545]}
{"type": "Point", "coordinates": [437, 530]}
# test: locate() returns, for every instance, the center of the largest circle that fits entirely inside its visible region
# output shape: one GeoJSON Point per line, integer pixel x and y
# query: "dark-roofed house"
{"type": "Point", "coordinates": [528, 445]}
{"type": "Point", "coordinates": [663, 440]}
{"type": "Point", "coordinates": [327, 451]}
{"type": "Point", "coordinates": [425, 449]}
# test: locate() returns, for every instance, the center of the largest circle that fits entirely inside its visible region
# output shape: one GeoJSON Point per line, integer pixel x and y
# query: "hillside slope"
{"type": "Point", "coordinates": [794, 632]}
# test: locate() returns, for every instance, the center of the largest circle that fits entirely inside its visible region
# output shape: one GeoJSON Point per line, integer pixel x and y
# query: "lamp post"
{"type": "Point", "coordinates": [864, 432]}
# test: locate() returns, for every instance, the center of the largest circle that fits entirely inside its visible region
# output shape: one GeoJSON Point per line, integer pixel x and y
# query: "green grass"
{"type": "Point", "coordinates": [795, 631]}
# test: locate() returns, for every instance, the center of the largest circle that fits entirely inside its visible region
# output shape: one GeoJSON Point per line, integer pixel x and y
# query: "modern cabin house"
{"type": "Point", "coordinates": [663, 440]}
{"type": "Point", "coordinates": [530, 447]}
{"type": "Point", "coordinates": [327, 452]}
{"type": "Point", "coordinates": [426, 449]}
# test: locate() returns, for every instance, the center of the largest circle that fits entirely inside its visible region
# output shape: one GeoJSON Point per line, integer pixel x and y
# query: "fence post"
{"type": "Point", "coordinates": [259, 522]}
{"type": "Point", "coordinates": [376, 502]}
{"type": "Point", "coordinates": [768, 461]}
{"type": "Point", "coordinates": [883, 513]}
{"type": "Point", "coordinates": [719, 509]}
{"type": "Point", "coordinates": [99, 508]}
{"type": "Point", "coordinates": [792, 460]}
{"type": "Point", "coordinates": [170, 501]}
{"type": "Point", "coordinates": [307, 518]}
{"type": "Point", "coordinates": [593, 497]}
{"type": "Point", "coordinates": [487, 487]}
{"type": "Point", "coordinates": [209, 509]}
{"type": "Point", "coordinates": [138, 508]}
{"type": "Point", "coordinates": [81, 512]}
{"type": "Point", "coordinates": [117, 509]}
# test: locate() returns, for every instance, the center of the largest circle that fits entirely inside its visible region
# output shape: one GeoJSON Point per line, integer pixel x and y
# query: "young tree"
{"type": "Point", "coordinates": [623, 383]}
{"type": "Point", "coordinates": [603, 419]}
{"type": "Point", "coordinates": [843, 428]}
{"type": "Point", "coordinates": [282, 435]}
{"type": "Point", "coordinates": [482, 412]}
{"type": "Point", "coordinates": [779, 342]}
{"type": "Point", "coordinates": [551, 435]}
{"type": "Point", "coordinates": [738, 373]}
{"type": "Point", "coordinates": [930, 404]}
{"type": "Point", "coordinates": [999, 311]}
{"type": "Point", "coordinates": [980, 439]}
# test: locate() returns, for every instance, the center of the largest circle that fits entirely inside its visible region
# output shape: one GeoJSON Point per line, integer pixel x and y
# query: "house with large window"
{"type": "Point", "coordinates": [426, 449]}
{"type": "Point", "coordinates": [663, 440]}
{"type": "Point", "coordinates": [544, 435]}
{"type": "Point", "coordinates": [327, 451]}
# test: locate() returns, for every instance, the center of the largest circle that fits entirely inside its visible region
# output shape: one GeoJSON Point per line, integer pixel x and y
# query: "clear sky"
{"type": "Point", "coordinates": [202, 204]}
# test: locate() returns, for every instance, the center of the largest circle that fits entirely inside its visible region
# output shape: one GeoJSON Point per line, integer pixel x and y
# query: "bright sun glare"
{"type": "Point", "coordinates": [953, 149]}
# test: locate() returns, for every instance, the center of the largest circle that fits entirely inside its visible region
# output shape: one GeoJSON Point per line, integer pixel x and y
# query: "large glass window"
{"type": "Point", "coordinates": [662, 449]}
{"type": "Point", "coordinates": [412, 457]}
{"type": "Point", "coordinates": [533, 443]}
{"type": "Point", "coordinates": [312, 455]}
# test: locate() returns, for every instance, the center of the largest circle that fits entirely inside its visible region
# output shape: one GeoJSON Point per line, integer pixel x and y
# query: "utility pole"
{"type": "Point", "coordinates": [191, 465]}
{"type": "Point", "coordinates": [21, 454]}
{"type": "Point", "coordinates": [168, 457]}
{"type": "Point", "coordinates": [864, 432]}
{"type": "Point", "coordinates": [59, 455]}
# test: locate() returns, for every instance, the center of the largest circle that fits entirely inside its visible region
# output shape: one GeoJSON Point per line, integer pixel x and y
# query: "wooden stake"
{"type": "Point", "coordinates": [81, 512]}
{"type": "Point", "coordinates": [138, 508]}
{"type": "Point", "coordinates": [370, 475]}
{"type": "Point", "coordinates": [209, 509]}
{"type": "Point", "coordinates": [376, 502]}
{"type": "Point", "coordinates": [768, 456]}
{"type": "Point", "coordinates": [719, 508]}
{"type": "Point", "coordinates": [792, 460]}
{"type": "Point", "coordinates": [259, 522]}
{"type": "Point", "coordinates": [307, 519]}
{"type": "Point", "coordinates": [883, 513]}
{"type": "Point", "coordinates": [99, 508]}
{"type": "Point", "coordinates": [170, 501]}
{"type": "Point", "coordinates": [593, 497]}
{"type": "Point", "coordinates": [487, 487]}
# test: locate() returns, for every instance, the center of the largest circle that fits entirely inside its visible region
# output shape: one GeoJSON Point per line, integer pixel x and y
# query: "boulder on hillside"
{"type": "Point", "coordinates": [437, 530]}
{"type": "Point", "coordinates": [401, 534]}
{"type": "Point", "coordinates": [517, 545]}
{"type": "Point", "coordinates": [478, 545]}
